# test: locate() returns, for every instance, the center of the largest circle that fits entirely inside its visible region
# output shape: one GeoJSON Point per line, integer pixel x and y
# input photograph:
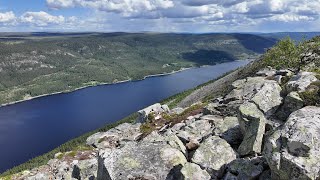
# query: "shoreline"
{"type": "Point", "coordinates": [119, 82]}
{"type": "Point", "coordinates": [89, 86]}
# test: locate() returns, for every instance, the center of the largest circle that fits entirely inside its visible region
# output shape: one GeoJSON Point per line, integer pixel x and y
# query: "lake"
{"type": "Point", "coordinates": [34, 127]}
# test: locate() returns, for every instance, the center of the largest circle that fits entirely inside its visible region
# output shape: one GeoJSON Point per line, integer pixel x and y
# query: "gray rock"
{"type": "Point", "coordinates": [156, 109]}
{"type": "Point", "coordinates": [278, 79]}
{"type": "Point", "coordinates": [267, 72]}
{"type": "Point", "coordinates": [293, 151]}
{"type": "Point", "coordinates": [85, 169]}
{"type": "Point", "coordinates": [177, 110]}
{"type": "Point", "coordinates": [170, 139]}
{"type": "Point", "coordinates": [213, 154]}
{"type": "Point", "coordinates": [268, 98]}
{"type": "Point", "coordinates": [229, 130]}
{"type": "Point", "coordinates": [40, 176]}
{"type": "Point", "coordinates": [266, 175]}
{"type": "Point", "coordinates": [301, 81]}
{"type": "Point", "coordinates": [191, 171]}
{"type": "Point", "coordinates": [246, 168]}
{"type": "Point", "coordinates": [196, 130]}
{"type": "Point", "coordinates": [177, 127]}
{"type": "Point", "coordinates": [284, 72]}
{"type": "Point", "coordinates": [252, 124]}
{"type": "Point", "coordinates": [112, 138]}
{"type": "Point", "coordinates": [291, 103]}
{"type": "Point", "coordinates": [210, 109]}
{"type": "Point", "coordinates": [140, 160]}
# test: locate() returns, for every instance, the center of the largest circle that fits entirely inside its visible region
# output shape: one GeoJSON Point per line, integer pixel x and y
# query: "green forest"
{"type": "Point", "coordinates": [32, 65]}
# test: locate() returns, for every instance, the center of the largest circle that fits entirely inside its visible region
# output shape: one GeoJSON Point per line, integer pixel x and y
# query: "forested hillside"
{"type": "Point", "coordinates": [33, 64]}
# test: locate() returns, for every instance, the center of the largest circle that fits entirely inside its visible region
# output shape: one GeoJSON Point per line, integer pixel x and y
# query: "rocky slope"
{"type": "Point", "coordinates": [266, 127]}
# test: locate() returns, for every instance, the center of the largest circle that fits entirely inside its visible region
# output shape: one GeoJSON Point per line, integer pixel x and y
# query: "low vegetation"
{"type": "Point", "coordinates": [288, 53]}
{"type": "Point", "coordinates": [311, 97]}
{"type": "Point", "coordinates": [169, 119]}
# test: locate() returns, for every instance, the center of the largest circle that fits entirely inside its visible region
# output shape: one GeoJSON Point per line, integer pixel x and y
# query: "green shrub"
{"type": "Point", "coordinates": [311, 97]}
{"type": "Point", "coordinates": [151, 116]}
{"type": "Point", "coordinates": [146, 128]}
{"type": "Point", "coordinates": [286, 54]}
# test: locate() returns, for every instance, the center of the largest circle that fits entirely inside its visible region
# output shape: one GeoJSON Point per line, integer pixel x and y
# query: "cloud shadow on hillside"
{"type": "Point", "coordinates": [208, 57]}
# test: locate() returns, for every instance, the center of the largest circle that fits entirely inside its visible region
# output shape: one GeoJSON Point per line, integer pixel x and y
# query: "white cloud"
{"type": "Point", "coordinates": [41, 18]}
{"type": "Point", "coordinates": [58, 4]}
{"type": "Point", "coordinates": [7, 17]}
{"type": "Point", "coordinates": [291, 17]}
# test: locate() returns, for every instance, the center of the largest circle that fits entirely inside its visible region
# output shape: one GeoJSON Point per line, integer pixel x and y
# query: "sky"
{"type": "Point", "coordinates": [194, 16]}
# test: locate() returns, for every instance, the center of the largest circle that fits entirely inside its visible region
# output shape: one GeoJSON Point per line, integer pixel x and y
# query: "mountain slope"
{"type": "Point", "coordinates": [43, 63]}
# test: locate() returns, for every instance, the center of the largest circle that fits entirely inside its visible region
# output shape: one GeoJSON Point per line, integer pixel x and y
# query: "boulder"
{"type": "Point", "coordinates": [300, 82]}
{"type": "Point", "coordinates": [197, 130]}
{"type": "Point", "coordinates": [170, 139]}
{"type": "Point", "coordinates": [252, 124]}
{"type": "Point", "coordinates": [246, 168]}
{"type": "Point", "coordinates": [268, 98]}
{"type": "Point", "coordinates": [292, 102]}
{"type": "Point", "coordinates": [284, 72]}
{"type": "Point", "coordinates": [213, 155]}
{"type": "Point", "coordinates": [112, 138]}
{"type": "Point", "coordinates": [229, 129]}
{"type": "Point", "coordinates": [143, 160]}
{"type": "Point", "coordinates": [177, 110]}
{"type": "Point", "coordinates": [40, 176]}
{"type": "Point", "coordinates": [191, 171]}
{"type": "Point", "coordinates": [293, 151]}
{"type": "Point", "coordinates": [157, 109]}
{"type": "Point", "coordinates": [85, 169]}
{"type": "Point", "coordinates": [267, 72]}
{"type": "Point", "coordinates": [246, 90]}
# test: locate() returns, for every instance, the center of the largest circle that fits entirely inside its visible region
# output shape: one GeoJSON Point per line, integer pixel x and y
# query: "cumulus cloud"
{"type": "Point", "coordinates": [7, 17]}
{"type": "Point", "coordinates": [41, 18]}
{"type": "Point", "coordinates": [240, 14]}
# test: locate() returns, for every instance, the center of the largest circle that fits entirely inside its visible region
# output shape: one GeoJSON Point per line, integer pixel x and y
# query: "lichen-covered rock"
{"type": "Point", "coordinates": [213, 154]}
{"type": "Point", "coordinates": [85, 169]}
{"type": "Point", "coordinates": [41, 176]}
{"type": "Point", "coordinates": [157, 109]}
{"type": "Point", "coordinates": [268, 98]}
{"type": "Point", "coordinates": [246, 90]}
{"type": "Point", "coordinates": [246, 168]}
{"type": "Point", "coordinates": [301, 81]}
{"type": "Point", "coordinates": [177, 110]}
{"type": "Point", "coordinates": [267, 72]}
{"type": "Point", "coordinates": [143, 160]}
{"type": "Point", "coordinates": [293, 151]}
{"type": "Point", "coordinates": [196, 130]}
{"type": "Point", "coordinates": [228, 129]}
{"type": "Point", "coordinates": [191, 171]}
{"type": "Point", "coordinates": [111, 138]}
{"type": "Point", "coordinates": [292, 102]}
{"type": "Point", "coordinates": [252, 124]}
{"type": "Point", "coordinates": [170, 139]}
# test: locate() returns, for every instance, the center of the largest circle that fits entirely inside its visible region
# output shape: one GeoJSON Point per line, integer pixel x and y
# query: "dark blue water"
{"type": "Point", "coordinates": [31, 128]}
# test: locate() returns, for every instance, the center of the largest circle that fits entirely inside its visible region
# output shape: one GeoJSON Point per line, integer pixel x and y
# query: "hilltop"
{"type": "Point", "coordinates": [262, 122]}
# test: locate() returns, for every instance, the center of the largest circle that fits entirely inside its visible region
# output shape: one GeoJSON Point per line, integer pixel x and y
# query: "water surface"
{"type": "Point", "coordinates": [31, 128]}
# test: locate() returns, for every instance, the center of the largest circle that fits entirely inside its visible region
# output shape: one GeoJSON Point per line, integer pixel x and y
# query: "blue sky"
{"type": "Point", "coordinates": [196, 16]}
